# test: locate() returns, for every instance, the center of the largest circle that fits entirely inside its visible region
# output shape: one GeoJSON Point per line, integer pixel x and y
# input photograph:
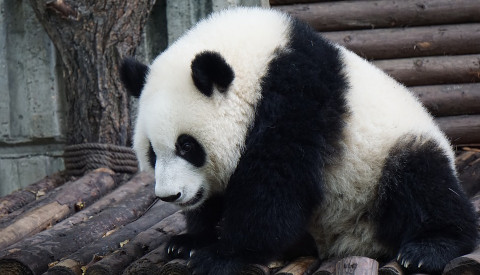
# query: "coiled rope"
{"type": "Point", "coordinates": [80, 158]}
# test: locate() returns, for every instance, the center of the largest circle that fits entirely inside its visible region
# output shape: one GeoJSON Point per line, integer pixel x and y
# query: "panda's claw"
{"type": "Point", "coordinates": [192, 252]}
{"type": "Point", "coordinates": [420, 264]}
{"type": "Point", "coordinates": [407, 263]}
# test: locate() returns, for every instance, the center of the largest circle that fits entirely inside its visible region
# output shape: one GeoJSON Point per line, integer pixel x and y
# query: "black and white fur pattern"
{"type": "Point", "coordinates": [254, 122]}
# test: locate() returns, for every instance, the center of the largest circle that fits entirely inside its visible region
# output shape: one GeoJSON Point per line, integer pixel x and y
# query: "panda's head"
{"type": "Point", "coordinates": [197, 101]}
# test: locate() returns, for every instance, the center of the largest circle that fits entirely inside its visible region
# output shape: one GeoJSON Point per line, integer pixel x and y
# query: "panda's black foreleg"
{"type": "Point", "coordinates": [422, 213]}
{"type": "Point", "coordinates": [267, 208]}
{"type": "Point", "coordinates": [201, 229]}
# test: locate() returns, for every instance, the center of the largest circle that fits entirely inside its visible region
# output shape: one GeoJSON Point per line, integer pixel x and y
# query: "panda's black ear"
{"type": "Point", "coordinates": [209, 69]}
{"type": "Point", "coordinates": [133, 74]}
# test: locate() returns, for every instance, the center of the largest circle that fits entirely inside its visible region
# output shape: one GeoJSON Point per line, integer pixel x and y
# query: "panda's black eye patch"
{"type": "Point", "coordinates": [188, 148]}
{"type": "Point", "coordinates": [152, 157]}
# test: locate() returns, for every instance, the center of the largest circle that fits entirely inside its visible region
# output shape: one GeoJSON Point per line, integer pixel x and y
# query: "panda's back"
{"type": "Point", "coordinates": [382, 116]}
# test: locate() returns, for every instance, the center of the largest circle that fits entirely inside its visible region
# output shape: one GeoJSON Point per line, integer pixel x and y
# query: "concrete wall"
{"type": "Point", "coordinates": [31, 106]}
{"type": "Point", "coordinates": [32, 103]}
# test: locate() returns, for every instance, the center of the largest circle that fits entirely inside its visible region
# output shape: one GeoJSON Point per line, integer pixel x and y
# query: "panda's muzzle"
{"type": "Point", "coordinates": [195, 199]}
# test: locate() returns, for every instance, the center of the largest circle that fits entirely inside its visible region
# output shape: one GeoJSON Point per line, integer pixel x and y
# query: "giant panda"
{"type": "Point", "coordinates": [272, 138]}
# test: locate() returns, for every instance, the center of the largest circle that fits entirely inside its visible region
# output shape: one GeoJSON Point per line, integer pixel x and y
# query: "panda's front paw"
{"type": "Point", "coordinates": [183, 245]}
{"type": "Point", "coordinates": [212, 261]}
{"type": "Point", "coordinates": [421, 258]}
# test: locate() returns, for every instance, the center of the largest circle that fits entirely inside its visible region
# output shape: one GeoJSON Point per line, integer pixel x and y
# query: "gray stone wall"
{"type": "Point", "coordinates": [32, 102]}
{"type": "Point", "coordinates": [31, 106]}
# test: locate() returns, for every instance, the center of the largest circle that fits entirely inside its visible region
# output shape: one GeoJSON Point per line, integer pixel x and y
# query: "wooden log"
{"type": "Point", "coordinates": [37, 252]}
{"type": "Point", "coordinates": [468, 167]}
{"type": "Point", "coordinates": [151, 263]}
{"type": "Point", "coordinates": [476, 203]}
{"type": "Point", "coordinates": [179, 267]}
{"type": "Point", "coordinates": [356, 265]}
{"type": "Point", "coordinates": [465, 156]}
{"type": "Point", "coordinates": [433, 70]}
{"type": "Point", "coordinates": [175, 267]}
{"type": "Point", "coordinates": [410, 42]}
{"type": "Point", "coordinates": [468, 264]}
{"type": "Point", "coordinates": [327, 267]}
{"type": "Point", "coordinates": [143, 243]}
{"type": "Point", "coordinates": [348, 15]}
{"type": "Point", "coordinates": [56, 206]}
{"type": "Point", "coordinates": [72, 263]}
{"type": "Point", "coordinates": [255, 269]}
{"type": "Point", "coordinates": [461, 129]}
{"type": "Point", "coordinates": [300, 266]}
{"type": "Point", "coordinates": [34, 191]}
{"type": "Point", "coordinates": [291, 2]}
{"type": "Point", "coordinates": [391, 268]}
{"type": "Point", "coordinates": [450, 100]}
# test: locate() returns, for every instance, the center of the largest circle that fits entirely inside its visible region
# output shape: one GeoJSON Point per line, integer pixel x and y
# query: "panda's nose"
{"type": "Point", "coordinates": [171, 198]}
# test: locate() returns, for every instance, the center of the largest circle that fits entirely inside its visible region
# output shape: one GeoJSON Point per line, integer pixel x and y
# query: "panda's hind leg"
{"type": "Point", "coordinates": [421, 213]}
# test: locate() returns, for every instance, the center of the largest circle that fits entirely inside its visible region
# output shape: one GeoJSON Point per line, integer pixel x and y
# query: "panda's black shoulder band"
{"type": "Point", "coordinates": [209, 69]}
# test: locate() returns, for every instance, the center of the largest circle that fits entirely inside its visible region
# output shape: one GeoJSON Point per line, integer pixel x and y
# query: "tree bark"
{"type": "Point", "coordinates": [348, 15]}
{"type": "Point", "coordinates": [410, 42]}
{"type": "Point", "coordinates": [91, 38]}
{"type": "Point", "coordinates": [36, 253]}
{"type": "Point", "coordinates": [34, 191]}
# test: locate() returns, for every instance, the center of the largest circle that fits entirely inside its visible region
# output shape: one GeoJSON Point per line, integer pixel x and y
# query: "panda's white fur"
{"type": "Point", "coordinates": [380, 113]}
{"type": "Point", "coordinates": [247, 39]}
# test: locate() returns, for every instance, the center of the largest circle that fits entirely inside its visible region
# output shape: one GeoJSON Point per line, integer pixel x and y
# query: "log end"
{"type": "Point", "coordinates": [391, 268]}
{"type": "Point", "coordinates": [255, 269]}
{"type": "Point", "coordinates": [14, 267]}
{"type": "Point", "coordinates": [468, 264]}
{"type": "Point", "coordinates": [175, 267]}
{"type": "Point", "coordinates": [354, 265]}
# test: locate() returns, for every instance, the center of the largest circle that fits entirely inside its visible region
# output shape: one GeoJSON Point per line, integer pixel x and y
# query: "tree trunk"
{"type": "Point", "coordinates": [91, 38]}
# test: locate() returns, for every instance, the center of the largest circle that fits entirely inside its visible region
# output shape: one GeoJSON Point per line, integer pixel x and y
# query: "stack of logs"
{"type": "Point", "coordinates": [107, 223]}
{"type": "Point", "coordinates": [432, 46]}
